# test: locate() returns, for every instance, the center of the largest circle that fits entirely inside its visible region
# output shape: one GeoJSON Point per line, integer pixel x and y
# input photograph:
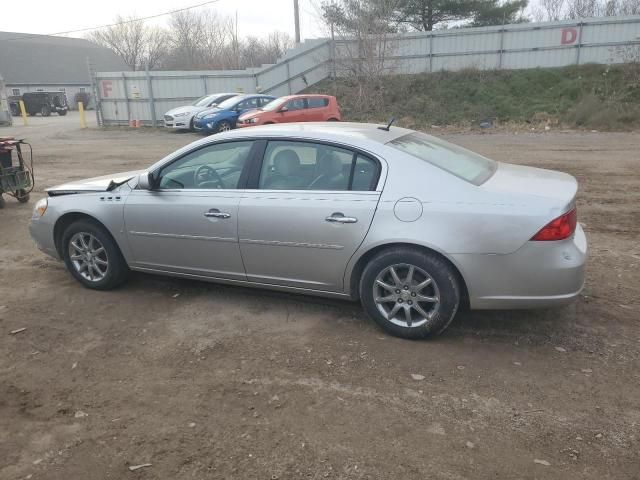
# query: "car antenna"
{"type": "Point", "coordinates": [393, 119]}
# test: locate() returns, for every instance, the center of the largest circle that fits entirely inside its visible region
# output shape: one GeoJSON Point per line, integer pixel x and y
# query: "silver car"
{"type": "Point", "coordinates": [408, 224]}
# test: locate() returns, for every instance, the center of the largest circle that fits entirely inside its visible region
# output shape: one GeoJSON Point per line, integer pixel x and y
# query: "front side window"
{"type": "Point", "coordinates": [295, 104]}
{"type": "Point", "coordinates": [250, 103]}
{"type": "Point", "coordinates": [212, 167]}
{"type": "Point", "coordinates": [462, 163]}
{"type": "Point", "coordinates": [313, 166]}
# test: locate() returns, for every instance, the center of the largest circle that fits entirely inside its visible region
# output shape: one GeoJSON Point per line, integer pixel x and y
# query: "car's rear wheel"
{"type": "Point", "coordinates": [224, 126]}
{"type": "Point", "coordinates": [92, 256]}
{"type": "Point", "coordinates": [2, 202]}
{"type": "Point", "coordinates": [409, 293]}
{"type": "Point", "coordinates": [62, 113]}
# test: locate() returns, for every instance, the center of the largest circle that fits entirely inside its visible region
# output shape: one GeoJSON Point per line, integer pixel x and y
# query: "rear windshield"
{"type": "Point", "coordinates": [459, 161]}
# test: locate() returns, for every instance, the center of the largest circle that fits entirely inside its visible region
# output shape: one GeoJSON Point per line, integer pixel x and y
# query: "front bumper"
{"type": "Point", "coordinates": [538, 275]}
{"type": "Point", "coordinates": [204, 125]}
{"type": "Point", "coordinates": [42, 234]}
{"type": "Point", "coordinates": [178, 123]}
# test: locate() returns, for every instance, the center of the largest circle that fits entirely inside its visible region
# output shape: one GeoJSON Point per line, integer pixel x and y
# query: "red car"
{"type": "Point", "coordinates": [294, 108]}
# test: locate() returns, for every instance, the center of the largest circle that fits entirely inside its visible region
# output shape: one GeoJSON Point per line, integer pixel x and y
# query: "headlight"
{"type": "Point", "coordinates": [40, 207]}
{"type": "Point", "coordinates": [210, 125]}
{"type": "Point", "coordinates": [252, 120]}
{"type": "Point", "coordinates": [181, 114]}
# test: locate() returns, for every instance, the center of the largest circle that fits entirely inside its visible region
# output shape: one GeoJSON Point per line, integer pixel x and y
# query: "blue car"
{"type": "Point", "coordinates": [224, 116]}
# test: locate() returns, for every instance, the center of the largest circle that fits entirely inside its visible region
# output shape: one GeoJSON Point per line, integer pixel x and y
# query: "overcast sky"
{"type": "Point", "coordinates": [255, 17]}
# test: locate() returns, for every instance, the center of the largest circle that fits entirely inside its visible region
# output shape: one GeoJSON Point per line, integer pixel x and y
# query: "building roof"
{"type": "Point", "coordinates": [43, 59]}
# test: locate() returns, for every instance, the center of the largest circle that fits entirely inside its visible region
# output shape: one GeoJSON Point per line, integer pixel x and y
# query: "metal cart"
{"type": "Point", "coordinates": [16, 175]}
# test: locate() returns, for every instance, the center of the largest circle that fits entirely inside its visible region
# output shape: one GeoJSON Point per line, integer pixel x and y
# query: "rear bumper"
{"type": "Point", "coordinates": [538, 275]}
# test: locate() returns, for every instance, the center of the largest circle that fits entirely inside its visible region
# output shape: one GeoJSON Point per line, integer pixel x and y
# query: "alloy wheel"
{"type": "Point", "coordinates": [88, 256]}
{"type": "Point", "coordinates": [406, 295]}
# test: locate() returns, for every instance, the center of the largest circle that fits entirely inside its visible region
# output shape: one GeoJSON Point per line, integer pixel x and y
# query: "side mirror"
{"type": "Point", "coordinates": [145, 181]}
{"type": "Point", "coordinates": [283, 109]}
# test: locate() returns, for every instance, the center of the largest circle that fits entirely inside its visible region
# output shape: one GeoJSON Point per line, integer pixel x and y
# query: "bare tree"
{"type": "Point", "coordinates": [584, 8]}
{"type": "Point", "coordinates": [364, 42]}
{"type": "Point", "coordinates": [137, 44]}
{"type": "Point", "coordinates": [553, 9]}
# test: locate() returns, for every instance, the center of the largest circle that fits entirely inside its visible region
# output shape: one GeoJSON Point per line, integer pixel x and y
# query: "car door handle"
{"type": "Point", "coordinates": [340, 218]}
{"type": "Point", "coordinates": [215, 213]}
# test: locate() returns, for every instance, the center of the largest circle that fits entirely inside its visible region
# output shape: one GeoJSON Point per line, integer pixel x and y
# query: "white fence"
{"type": "Point", "coordinates": [146, 96]}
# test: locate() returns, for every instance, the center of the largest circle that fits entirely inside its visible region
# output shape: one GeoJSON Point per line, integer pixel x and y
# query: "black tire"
{"type": "Point", "coordinates": [446, 289]}
{"type": "Point", "coordinates": [45, 111]}
{"type": "Point", "coordinates": [333, 120]}
{"type": "Point", "coordinates": [22, 196]}
{"type": "Point", "coordinates": [116, 271]}
{"type": "Point", "coordinates": [224, 126]}
{"type": "Point", "coordinates": [2, 202]}
{"type": "Point", "coordinates": [15, 110]}
{"type": "Point", "coordinates": [62, 113]}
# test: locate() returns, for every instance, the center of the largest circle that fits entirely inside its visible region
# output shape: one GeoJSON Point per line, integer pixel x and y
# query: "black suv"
{"type": "Point", "coordinates": [45, 103]}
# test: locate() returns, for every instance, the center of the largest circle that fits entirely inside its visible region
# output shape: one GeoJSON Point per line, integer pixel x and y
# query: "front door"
{"type": "Point", "coordinates": [189, 222]}
{"type": "Point", "coordinates": [311, 210]}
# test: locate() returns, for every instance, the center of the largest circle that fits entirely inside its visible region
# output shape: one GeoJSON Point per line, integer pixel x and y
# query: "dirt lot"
{"type": "Point", "coordinates": [206, 381]}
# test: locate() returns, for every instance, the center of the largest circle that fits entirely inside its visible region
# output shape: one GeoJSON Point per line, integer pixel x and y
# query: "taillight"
{"type": "Point", "coordinates": [558, 229]}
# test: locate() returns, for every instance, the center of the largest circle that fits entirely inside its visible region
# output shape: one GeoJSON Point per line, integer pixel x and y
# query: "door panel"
{"type": "Point", "coordinates": [185, 231]}
{"type": "Point", "coordinates": [286, 239]}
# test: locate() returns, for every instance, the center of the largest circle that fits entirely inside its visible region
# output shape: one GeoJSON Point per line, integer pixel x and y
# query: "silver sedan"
{"type": "Point", "coordinates": [408, 224]}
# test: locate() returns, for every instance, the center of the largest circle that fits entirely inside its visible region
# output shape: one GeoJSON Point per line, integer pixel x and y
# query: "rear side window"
{"type": "Point", "coordinates": [317, 102]}
{"type": "Point", "coordinates": [314, 166]}
{"type": "Point", "coordinates": [462, 163]}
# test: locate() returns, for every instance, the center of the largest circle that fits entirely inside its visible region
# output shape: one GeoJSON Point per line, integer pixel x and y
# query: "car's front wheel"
{"type": "Point", "coordinates": [224, 126]}
{"type": "Point", "coordinates": [410, 293]}
{"type": "Point", "coordinates": [92, 256]}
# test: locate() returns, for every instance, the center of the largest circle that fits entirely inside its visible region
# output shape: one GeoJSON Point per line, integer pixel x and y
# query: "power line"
{"type": "Point", "coordinates": [26, 36]}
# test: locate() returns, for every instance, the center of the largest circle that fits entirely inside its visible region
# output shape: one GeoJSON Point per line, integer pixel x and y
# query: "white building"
{"type": "Point", "coordinates": [31, 63]}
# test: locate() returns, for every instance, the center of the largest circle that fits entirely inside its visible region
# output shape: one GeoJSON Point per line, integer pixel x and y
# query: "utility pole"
{"type": "Point", "coordinates": [296, 14]}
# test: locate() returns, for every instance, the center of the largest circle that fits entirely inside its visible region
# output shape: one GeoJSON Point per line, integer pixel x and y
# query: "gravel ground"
{"type": "Point", "coordinates": [204, 381]}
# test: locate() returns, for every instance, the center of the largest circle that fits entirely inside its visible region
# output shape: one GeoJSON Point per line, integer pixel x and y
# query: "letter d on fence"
{"type": "Point", "coordinates": [569, 35]}
{"type": "Point", "coordinates": [83, 120]}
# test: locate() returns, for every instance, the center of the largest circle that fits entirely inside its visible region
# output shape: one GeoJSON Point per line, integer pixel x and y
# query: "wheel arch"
{"type": "Point", "coordinates": [70, 217]}
{"type": "Point", "coordinates": [365, 257]}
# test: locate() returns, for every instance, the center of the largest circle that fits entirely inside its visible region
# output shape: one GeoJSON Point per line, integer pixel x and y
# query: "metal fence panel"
{"type": "Point", "coordinates": [124, 96]}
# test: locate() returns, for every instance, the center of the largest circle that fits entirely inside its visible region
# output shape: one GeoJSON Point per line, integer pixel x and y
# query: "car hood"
{"type": "Point", "coordinates": [251, 114]}
{"type": "Point", "coordinates": [95, 184]}
{"type": "Point", "coordinates": [189, 109]}
{"type": "Point", "coordinates": [210, 112]}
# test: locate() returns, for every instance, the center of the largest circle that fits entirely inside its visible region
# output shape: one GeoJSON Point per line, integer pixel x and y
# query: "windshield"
{"type": "Point", "coordinates": [459, 161]}
{"type": "Point", "coordinates": [273, 105]}
{"type": "Point", "coordinates": [229, 103]}
{"type": "Point", "coordinates": [203, 101]}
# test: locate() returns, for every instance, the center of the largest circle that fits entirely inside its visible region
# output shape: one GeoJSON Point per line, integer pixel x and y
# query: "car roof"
{"type": "Point", "coordinates": [356, 134]}
{"type": "Point", "coordinates": [305, 95]}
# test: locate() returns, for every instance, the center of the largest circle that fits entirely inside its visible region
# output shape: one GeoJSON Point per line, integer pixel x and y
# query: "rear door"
{"type": "Point", "coordinates": [309, 209]}
{"type": "Point", "coordinates": [316, 109]}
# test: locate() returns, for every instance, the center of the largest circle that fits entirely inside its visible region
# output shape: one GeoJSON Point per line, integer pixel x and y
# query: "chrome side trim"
{"type": "Point", "coordinates": [186, 237]}
{"type": "Point", "coordinates": [292, 244]}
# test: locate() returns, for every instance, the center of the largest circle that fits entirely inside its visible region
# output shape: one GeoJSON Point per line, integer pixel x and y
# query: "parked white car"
{"type": "Point", "coordinates": [181, 118]}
